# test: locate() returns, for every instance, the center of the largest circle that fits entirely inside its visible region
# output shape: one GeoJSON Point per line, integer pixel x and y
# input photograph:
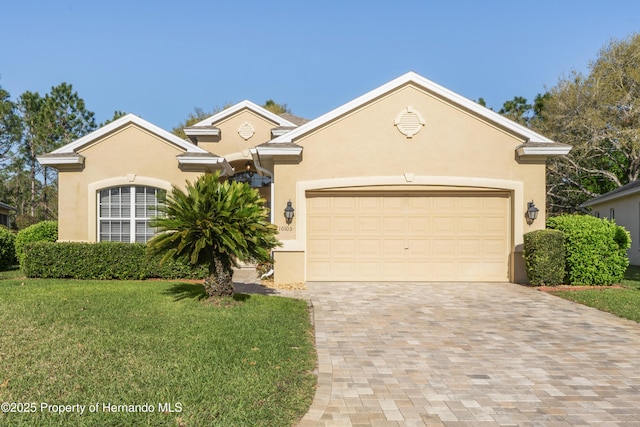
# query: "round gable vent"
{"type": "Point", "coordinates": [246, 131]}
{"type": "Point", "coordinates": [409, 122]}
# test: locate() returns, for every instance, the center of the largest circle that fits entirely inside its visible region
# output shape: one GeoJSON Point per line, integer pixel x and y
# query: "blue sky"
{"type": "Point", "coordinates": [160, 59]}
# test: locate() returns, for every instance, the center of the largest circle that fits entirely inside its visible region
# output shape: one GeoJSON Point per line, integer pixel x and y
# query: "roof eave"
{"type": "Point", "coordinates": [206, 163]}
{"type": "Point", "coordinates": [208, 131]}
{"type": "Point", "coordinates": [552, 150]}
{"type": "Point", "coordinates": [281, 152]}
{"type": "Point", "coordinates": [53, 160]}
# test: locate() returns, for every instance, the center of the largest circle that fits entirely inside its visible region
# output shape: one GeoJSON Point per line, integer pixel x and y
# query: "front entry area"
{"type": "Point", "coordinates": [408, 236]}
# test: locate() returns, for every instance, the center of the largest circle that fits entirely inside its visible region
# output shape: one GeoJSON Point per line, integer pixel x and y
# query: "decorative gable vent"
{"type": "Point", "coordinates": [409, 122]}
{"type": "Point", "coordinates": [246, 131]}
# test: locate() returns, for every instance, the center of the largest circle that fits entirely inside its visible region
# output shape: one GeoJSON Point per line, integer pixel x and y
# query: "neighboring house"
{"type": "Point", "coordinates": [623, 206]}
{"type": "Point", "coordinates": [5, 211]}
{"type": "Point", "coordinates": [409, 182]}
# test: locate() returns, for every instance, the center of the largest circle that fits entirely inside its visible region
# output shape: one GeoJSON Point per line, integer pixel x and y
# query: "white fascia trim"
{"type": "Point", "coordinates": [202, 131]}
{"type": "Point", "coordinates": [604, 199]}
{"type": "Point", "coordinates": [277, 151]}
{"type": "Point", "coordinates": [209, 121]}
{"type": "Point", "coordinates": [212, 161]}
{"type": "Point", "coordinates": [61, 160]}
{"type": "Point", "coordinates": [411, 77]}
{"type": "Point", "coordinates": [279, 132]}
{"type": "Point", "coordinates": [122, 121]}
{"type": "Point", "coordinates": [543, 151]}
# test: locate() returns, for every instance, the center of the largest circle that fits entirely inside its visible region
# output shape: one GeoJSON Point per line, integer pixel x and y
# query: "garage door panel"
{"type": "Point", "coordinates": [320, 247]}
{"type": "Point", "coordinates": [408, 238]}
{"type": "Point", "coordinates": [370, 248]}
{"type": "Point", "coordinates": [393, 247]}
{"type": "Point", "coordinates": [469, 248]}
{"type": "Point", "coordinates": [469, 225]}
{"type": "Point", "coordinates": [344, 247]}
{"type": "Point", "coordinates": [320, 225]}
{"type": "Point", "coordinates": [419, 224]}
{"type": "Point", "coordinates": [369, 225]}
{"type": "Point", "coordinates": [419, 248]}
{"type": "Point", "coordinates": [394, 270]}
{"type": "Point", "coordinates": [320, 270]}
{"type": "Point", "coordinates": [393, 225]}
{"type": "Point", "coordinates": [444, 225]}
{"type": "Point", "coordinates": [492, 247]}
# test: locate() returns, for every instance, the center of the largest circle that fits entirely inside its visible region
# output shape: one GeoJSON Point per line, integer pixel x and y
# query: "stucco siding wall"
{"type": "Point", "coordinates": [627, 214]}
{"type": "Point", "coordinates": [130, 156]}
{"type": "Point", "coordinates": [231, 142]}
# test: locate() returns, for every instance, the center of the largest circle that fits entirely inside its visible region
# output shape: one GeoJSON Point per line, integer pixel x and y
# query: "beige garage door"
{"type": "Point", "coordinates": [408, 237]}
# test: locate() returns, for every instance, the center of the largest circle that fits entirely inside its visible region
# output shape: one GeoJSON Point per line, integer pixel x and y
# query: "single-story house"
{"type": "Point", "coordinates": [5, 212]}
{"type": "Point", "coordinates": [408, 182]}
{"type": "Point", "coordinates": [623, 206]}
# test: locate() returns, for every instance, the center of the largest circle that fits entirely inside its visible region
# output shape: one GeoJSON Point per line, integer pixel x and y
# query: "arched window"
{"type": "Point", "coordinates": [124, 213]}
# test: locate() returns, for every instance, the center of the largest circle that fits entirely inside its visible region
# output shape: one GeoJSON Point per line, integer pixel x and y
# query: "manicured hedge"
{"type": "Point", "coordinates": [7, 248]}
{"type": "Point", "coordinates": [105, 260]}
{"type": "Point", "coordinates": [44, 231]}
{"type": "Point", "coordinates": [596, 249]}
{"type": "Point", "coordinates": [544, 256]}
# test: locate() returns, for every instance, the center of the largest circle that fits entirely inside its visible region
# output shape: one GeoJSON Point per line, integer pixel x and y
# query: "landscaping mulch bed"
{"type": "Point", "coordinates": [575, 288]}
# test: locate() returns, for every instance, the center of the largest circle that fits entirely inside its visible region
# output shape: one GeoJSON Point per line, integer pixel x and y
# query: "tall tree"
{"type": "Point", "coordinates": [10, 126]}
{"type": "Point", "coordinates": [48, 123]}
{"type": "Point", "coordinates": [599, 115]}
{"type": "Point", "coordinates": [216, 224]}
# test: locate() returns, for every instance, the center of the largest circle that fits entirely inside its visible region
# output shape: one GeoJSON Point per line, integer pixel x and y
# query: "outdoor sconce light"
{"type": "Point", "coordinates": [532, 212]}
{"type": "Point", "coordinates": [288, 212]}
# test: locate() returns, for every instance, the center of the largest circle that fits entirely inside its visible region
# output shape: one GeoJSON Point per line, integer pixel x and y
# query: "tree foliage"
{"type": "Point", "coordinates": [215, 224]}
{"type": "Point", "coordinates": [10, 128]}
{"type": "Point", "coordinates": [31, 126]}
{"type": "Point", "coordinates": [599, 115]}
{"type": "Point", "coordinates": [276, 108]}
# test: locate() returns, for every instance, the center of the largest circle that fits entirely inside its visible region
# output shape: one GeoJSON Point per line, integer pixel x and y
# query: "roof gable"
{"type": "Point", "coordinates": [212, 120]}
{"type": "Point", "coordinates": [78, 144]}
{"type": "Point", "coordinates": [413, 78]}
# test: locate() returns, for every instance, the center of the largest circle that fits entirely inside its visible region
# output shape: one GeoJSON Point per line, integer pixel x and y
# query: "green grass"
{"type": "Point", "coordinates": [623, 302]}
{"type": "Point", "coordinates": [68, 342]}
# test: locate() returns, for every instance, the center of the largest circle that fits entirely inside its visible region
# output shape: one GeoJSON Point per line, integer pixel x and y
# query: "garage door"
{"type": "Point", "coordinates": [408, 237]}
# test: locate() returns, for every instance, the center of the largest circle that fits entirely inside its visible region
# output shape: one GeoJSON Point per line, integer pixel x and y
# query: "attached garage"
{"type": "Point", "coordinates": [408, 182]}
{"type": "Point", "coordinates": [408, 236]}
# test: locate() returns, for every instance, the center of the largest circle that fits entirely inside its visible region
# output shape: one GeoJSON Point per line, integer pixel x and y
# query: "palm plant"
{"type": "Point", "coordinates": [216, 224]}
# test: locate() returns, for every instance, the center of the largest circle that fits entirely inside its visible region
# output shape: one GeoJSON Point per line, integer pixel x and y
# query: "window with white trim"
{"type": "Point", "coordinates": [124, 213]}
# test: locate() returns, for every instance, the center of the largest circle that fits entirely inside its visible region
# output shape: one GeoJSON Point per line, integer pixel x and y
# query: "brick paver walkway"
{"type": "Point", "coordinates": [475, 354]}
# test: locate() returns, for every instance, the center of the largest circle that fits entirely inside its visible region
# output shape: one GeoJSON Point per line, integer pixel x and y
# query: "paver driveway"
{"type": "Point", "coordinates": [469, 354]}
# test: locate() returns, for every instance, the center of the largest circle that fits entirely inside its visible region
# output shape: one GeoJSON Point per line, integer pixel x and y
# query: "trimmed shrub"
{"type": "Point", "coordinates": [7, 248]}
{"type": "Point", "coordinates": [596, 249]}
{"type": "Point", "coordinates": [45, 231]}
{"type": "Point", "coordinates": [544, 256]}
{"type": "Point", "coordinates": [101, 261]}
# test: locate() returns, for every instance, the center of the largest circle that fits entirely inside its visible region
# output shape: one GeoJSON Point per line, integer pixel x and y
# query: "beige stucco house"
{"type": "Point", "coordinates": [409, 182]}
{"type": "Point", "coordinates": [623, 206]}
{"type": "Point", "coordinates": [5, 212]}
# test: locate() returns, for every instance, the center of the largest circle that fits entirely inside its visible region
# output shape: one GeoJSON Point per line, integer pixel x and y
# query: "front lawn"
{"type": "Point", "coordinates": [150, 353]}
{"type": "Point", "coordinates": [622, 301]}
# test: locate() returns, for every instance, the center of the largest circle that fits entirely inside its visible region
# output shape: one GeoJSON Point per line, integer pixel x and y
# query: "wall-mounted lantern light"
{"type": "Point", "coordinates": [288, 212]}
{"type": "Point", "coordinates": [532, 212]}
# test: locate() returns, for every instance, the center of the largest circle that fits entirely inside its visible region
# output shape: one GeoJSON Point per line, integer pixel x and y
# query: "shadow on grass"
{"type": "Point", "coordinates": [181, 291]}
{"type": "Point", "coordinates": [633, 273]}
